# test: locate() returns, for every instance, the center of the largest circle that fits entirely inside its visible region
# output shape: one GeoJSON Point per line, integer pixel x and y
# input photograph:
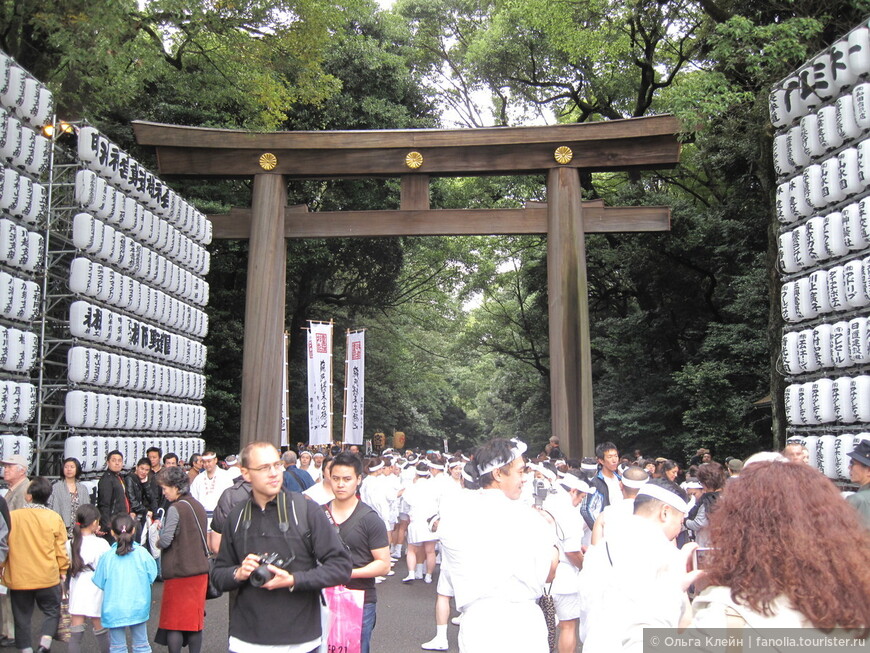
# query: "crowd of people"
{"type": "Point", "coordinates": [613, 544]}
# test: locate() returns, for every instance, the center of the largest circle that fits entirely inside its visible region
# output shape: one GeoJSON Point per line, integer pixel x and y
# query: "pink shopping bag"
{"type": "Point", "coordinates": [346, 607]}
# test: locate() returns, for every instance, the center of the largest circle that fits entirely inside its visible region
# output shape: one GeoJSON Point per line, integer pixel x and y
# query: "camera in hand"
{"type": "Point", "coordinates": [261, 575]}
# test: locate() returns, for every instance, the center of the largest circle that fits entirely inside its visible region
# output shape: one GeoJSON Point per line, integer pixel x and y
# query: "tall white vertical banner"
{"type": "Point", "coordinates": [319, 383]}
{"type": "Point", "coordinates": [354, 391]}
{"type": "Point", "coordinates": [285, 408]}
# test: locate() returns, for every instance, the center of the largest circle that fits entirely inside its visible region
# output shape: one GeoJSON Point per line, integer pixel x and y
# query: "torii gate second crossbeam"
{"type": "Point", "coordinates": [414, 156]}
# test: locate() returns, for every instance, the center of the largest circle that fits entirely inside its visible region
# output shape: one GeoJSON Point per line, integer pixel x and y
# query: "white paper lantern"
{"type": "Point", "coordinates": [853, 279]}
{"type": "Point", "coordinates": [837, 289]}
{"type": "Point", "coordinates": [783, 203]}
{"type": "Point", "coordinates": [849, 177]}
{"type": "Point", "coordinates": [843, 76]}
{"type": "Point", "coordinates": [816, 244]}
{"type": "Point", "coordinates": [808, 143]}
{"type": "Point", "coordinates": [814, 187]}
{"type": "Point", "coordinates": [853, 234]}
{"type": "Point", "coordinates": [822, 401]}
{"type": "Point", "coordinates": [819, 300]}
{"type": "Point", "coordinates": [858, 345]}
{"type": "Point", "coordinates": [861, 398]}
{"type": "Point", "coordinates": [828, 133]}
{"type": "Point", "coordinates": [827, 455]}
{"type": "Point", "coordinates": [798, 202]}
{"type": "Point", "coordinates": [804, 296]}
{"type": "Point", "coordinates": [800, 247]}
{"type": "Point", "coordinates": [843, 402]}
{"type": "Point", "coordinates": [812, 443]}
{"type": "Point", "coordinates": [847, 126]}
{"type": "Point", "coordinates": [859, 52]}
{"type": "Point", "coordinates": [74, 447]}
{"type": "Point", "coordinates": [844, 446]}
{"type": "Point", "coordinates": [861, 105]}
{"type": "Point", "coordinates": [781, 113]}
{"type": "Point", "coordinates": [805, 405]}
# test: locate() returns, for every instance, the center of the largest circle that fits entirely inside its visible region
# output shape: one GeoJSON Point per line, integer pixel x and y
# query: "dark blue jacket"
{"type": "Point", "coordinates": [297, 480]}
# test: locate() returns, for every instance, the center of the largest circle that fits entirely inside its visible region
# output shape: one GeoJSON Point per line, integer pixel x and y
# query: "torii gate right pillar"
{"type": "Point", "coordinates": [570, 349]}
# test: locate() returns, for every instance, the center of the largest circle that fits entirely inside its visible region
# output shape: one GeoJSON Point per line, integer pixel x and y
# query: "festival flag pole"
{"type": "Point", "coordinates": [320, 382]}
{"type": "Point", "coordinates": [346, 372]}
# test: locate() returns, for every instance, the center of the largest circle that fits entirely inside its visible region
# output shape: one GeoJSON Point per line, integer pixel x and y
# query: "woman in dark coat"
{"type": "Point", "coordinates": [184, 565]}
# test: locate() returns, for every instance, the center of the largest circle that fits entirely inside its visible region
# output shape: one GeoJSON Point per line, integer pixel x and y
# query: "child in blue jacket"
{"type": "Point", "coordinates": [125, 579]}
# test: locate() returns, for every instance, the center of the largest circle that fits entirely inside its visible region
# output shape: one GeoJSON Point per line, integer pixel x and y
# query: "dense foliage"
{"type": "Point", "coordinates": [685, 327]}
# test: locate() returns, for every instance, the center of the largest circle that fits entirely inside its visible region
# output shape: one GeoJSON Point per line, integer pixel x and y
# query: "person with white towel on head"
{"type": "Point", "coordinates": [501, 553]}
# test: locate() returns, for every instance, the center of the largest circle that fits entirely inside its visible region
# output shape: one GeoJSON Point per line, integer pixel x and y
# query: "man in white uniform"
{"type": "Point", "coordinates": [208, 486]}
{"type": "Point", "coordinates": [563, 506]}
{"type": "Point", "coordinates": [500, 553]}
{"type": "Point", "coordinates": [635, 577]}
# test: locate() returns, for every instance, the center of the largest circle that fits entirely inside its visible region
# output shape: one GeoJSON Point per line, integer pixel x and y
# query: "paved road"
{"type": "Point", "coordinates": [405, 619]}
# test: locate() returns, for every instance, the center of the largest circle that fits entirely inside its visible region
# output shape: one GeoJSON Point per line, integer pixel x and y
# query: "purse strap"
{"type": "Point", "coordinates": [208, 553]}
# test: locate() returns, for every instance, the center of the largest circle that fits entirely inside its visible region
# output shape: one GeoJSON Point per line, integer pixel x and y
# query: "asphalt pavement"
{"type": "Point", "coordinates": [406, 619]}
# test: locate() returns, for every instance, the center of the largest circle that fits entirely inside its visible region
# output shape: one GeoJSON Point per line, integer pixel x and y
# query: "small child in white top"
{"type": "Point", "coordinates": [85, 598]}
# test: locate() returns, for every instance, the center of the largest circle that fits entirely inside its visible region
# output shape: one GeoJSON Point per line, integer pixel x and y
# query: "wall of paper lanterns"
{"type": "Point", "coordinates": [112, 356]}
{"type": "Point", "coordinates": [25, 105]}
{"type": "Point", "coordinates": [822, 159]}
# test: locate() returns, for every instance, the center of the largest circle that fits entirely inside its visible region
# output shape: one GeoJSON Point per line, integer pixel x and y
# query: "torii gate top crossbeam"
{"type": "Point", "coordinates": [637, 143]}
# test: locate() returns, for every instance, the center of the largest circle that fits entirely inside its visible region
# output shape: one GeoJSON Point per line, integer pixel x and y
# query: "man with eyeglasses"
{"type": "Point", "coordinates": [277, 609]}
{"type": "Point", "coordinates": [859, 470]}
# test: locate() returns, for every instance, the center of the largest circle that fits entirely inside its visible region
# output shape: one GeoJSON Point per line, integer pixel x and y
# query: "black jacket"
{"type": "Point", "coordinates": [141, 495]}
{"type": "Point", "coordinates": [111, 499]}
{"type": "Point", "coordinates": [279, 616]}
{"type": "Point", "coordinates": [240, 491]}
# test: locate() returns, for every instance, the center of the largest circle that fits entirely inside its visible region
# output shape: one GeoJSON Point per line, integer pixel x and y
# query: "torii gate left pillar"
{"type": "Point", "coordinates": [265, 298]}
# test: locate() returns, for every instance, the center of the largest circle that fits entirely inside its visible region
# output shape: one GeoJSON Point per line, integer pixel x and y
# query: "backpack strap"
{"type": "Point", "coordinates": [300, 520]}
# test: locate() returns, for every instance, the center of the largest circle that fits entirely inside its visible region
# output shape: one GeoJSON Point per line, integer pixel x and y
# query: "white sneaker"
{"type": "Point", "coordinates": [417, 576]}
{"type": "Point", "coordinates": [428, 578]}
{"type": "Point", "coordinates": [379, 579]}
{"type": "Point", "coordinates": [391, 573]}
{"type": "Point", "coordinates": [435, 644]}
{"type": "Point", "coordinates": [409, 578]}
{"type": "Point", "coordinates": [456, 620]}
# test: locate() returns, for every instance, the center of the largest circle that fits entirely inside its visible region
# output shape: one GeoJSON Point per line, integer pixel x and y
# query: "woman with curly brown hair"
{"type": "Point", "coordinates": [788, 552]}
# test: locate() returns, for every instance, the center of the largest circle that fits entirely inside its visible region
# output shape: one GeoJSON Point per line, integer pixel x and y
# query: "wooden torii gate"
{"type": "Point", "coordinates": [414, 156]}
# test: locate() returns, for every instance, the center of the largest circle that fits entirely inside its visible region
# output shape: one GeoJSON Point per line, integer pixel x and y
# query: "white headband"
{"type": "Point", "coordinates": [627, 482]}
{"type": "Point", "coordinates": [376, 467]}
{"type": "Point", "coordinates": [457, 463]}
{"type": "Point", "coordinates": [547, 473]}
{"type": "Point", "coordinates": [517, 450]}
{"type": "Point", "coordinates": [434, 465]}
{"type": "Point", "coordinates": [588, 466]}
{"type": "Point", "coordinates": [571, 482]}
{"type": "Point", "coordinates": [665, 496]}
{"type": "Point", "coordinates": [422, 472]}
{"type": "Point", "coordinates": [209, 457]}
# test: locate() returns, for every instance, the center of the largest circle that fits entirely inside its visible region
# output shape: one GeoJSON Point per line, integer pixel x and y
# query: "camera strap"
{"type": "Point", "coordinates": [283, 521]}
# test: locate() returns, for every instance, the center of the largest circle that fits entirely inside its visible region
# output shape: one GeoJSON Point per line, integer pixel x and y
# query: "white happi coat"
{"type": "Point", "coordinates": [630, 580]}
{"type": "Point", "coordinates": [499, 552]}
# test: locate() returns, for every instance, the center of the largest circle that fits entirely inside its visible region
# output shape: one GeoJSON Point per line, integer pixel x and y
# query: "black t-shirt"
{"type": "Point", "coordinates": [367, 534]}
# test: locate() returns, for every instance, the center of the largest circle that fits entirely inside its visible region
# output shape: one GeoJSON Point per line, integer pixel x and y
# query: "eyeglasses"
{"type": "Point", "coordinates": [276, 466]}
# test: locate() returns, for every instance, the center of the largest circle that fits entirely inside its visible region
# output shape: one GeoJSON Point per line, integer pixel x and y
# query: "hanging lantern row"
{"type": "Point", "coordinates": [92, 451]}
